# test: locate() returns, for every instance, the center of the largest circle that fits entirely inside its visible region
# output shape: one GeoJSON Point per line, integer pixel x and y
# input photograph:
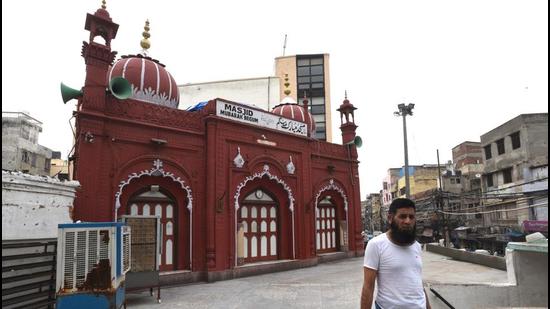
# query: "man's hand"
{"type": "Point", "coordinates": [427, 301]}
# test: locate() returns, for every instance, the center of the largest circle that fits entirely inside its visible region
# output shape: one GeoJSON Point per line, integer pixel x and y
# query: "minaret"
{"type": "Point", "coordinates": [348, 127]}
{"type": "Point", "coordinates": [98, 57]}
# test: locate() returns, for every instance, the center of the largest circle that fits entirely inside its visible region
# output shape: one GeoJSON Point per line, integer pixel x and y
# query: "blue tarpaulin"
{"type": "Point", "coordinates": [197, 107]}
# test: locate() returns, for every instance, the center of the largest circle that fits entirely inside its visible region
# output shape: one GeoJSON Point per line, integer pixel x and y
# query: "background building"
{"type": "Point", "coordinates": [20, 148]}
{"type": "Point", "coordinates": [310, 75]}
{"type": "Point", "coordinates": [372, 211]}
{"type": "Point", "coordinates": [60, 168]}
{"type": "Point", "coordinates": [389, 186]}
{"type": "Point", "coordinates": [307, 75]}
{"type": "Point", "coordinates": [515, 172]}
{"type": "Point", "coordinates": [261, 92]}
{"type": "Point", "coordinates": [421, 178]}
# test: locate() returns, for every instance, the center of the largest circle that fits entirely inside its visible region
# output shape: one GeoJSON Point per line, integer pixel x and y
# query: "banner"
{"type": "Point", "coordinates": [248, 115]}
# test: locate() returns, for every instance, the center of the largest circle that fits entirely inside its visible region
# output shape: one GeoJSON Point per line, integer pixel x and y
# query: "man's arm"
{"type": "Point", "coordinates": [427, 301]}
{"type": "Point", "coordinates": [367, 294]}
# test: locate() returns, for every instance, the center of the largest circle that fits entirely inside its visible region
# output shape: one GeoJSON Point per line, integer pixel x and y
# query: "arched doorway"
{"type": "Point", "coordinates": [155, 201]}
{"type": "Point", "coordinates": [331, 219]}
{"type": "Point", "coordinates": [258, 222]}
{"type": "Point", "coordinates": [327, 226]}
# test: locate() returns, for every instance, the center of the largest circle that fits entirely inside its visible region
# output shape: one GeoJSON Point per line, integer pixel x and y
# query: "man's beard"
{"type": "Point", "coordinates": [402, 237]}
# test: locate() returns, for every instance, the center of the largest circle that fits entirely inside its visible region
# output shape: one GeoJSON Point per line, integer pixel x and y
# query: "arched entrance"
{"type": "Point", "coordinates": [331, 220]}
{"type": "Point", "coordinates": [156, 201]}
{"type": "Point", "coordinates": [258, 221]}
{"type": "Point", "coordinates": [264, 206]}
{"type": "Point", "coordinates": [327, 236]}
{"type": "Point", "coordinates": [158, 191]}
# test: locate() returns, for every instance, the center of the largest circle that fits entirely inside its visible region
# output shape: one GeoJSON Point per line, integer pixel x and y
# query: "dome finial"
{"type": "Point", "coordinates": [145, 43]}
{"type": "Point", "coordinates": [287, 90]}
{"type": "Point", "coordinates": [345, 94]}
{"type": "Point", "coordinates": [104, 4]}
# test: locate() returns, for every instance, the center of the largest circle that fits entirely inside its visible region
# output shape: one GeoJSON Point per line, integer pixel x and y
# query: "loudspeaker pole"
{"type": "Point", "coordinates": [405, 110]}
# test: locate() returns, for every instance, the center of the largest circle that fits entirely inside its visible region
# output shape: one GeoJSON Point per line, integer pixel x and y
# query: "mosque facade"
{"type": "Point", "coordinates": [232, 184]}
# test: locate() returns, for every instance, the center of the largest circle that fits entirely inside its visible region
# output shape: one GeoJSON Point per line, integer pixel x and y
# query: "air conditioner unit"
{"type": "Point", "coordinates": [92, 260]}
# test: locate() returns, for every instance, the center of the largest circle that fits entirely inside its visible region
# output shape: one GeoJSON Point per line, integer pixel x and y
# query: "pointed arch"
{"type": "Point", "coordinates": [332, 186]}
{"type": "Point", "coordinates": [265, 172]}
{"type": "Point", "coordinates": [156, 170]}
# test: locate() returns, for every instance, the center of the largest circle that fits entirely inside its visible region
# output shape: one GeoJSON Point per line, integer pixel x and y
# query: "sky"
{"type": "Point", "coordinates": [468, 66]}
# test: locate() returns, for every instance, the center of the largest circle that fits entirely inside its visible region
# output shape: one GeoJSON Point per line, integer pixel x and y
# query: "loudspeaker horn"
{"type": "Point", "coordinates": [120, 88]}
{"type": "Point", "coordinates": [357, 141]}
{"type": "Point", "coordinates": [68, 93]}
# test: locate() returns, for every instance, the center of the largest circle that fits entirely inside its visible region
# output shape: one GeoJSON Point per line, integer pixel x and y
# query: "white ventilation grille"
{"type": "Point", "coordinates": [93, 254]}
{"type": "Point", "coordinates": [84, 249]}
{"type": "Point", "coordinates": [80, 264]}
{"type": "Point", "coordinates": [126, 245]}
{"type": "Point", "coordinates": [68, 279]}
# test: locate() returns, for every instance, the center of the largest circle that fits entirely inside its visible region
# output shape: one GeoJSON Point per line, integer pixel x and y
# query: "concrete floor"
{"type": "Point", "coordinates": [328, 285]}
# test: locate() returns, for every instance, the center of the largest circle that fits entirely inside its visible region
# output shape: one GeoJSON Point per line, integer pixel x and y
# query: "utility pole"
{"type": "Point", "coordinates": [405, 110]}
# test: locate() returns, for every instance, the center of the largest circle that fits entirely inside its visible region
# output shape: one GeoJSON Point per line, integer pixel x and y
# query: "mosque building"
{"type": "Point", "coordinates": [233, 185]}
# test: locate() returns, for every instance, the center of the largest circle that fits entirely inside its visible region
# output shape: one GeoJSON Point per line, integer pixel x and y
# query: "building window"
{"type": "Point", "coordinates": [311, 75]}
{"type": "Point", "coordinates": [25, 156]}
{"type": "Point", "coordinates": [487, 152]}
{"type": "Point", "coordinates": [516, 143]}
{"type": "Point", "coordinates": [318, 109]}
{"type": "Point", "coordinates": [489, 180]}
{"type": "Point", "coordinates": [507, 175]}
{"type": "Point", "coordinates": [33, 160]}
{"type": "Point", "coordinates": [500, 146]}
{"type": "Point", "coordinates": [47, 165]}
{"type": "Point", "coordinates": [402, 191]}
{"type": "Point", "coordinates": [311, 82]}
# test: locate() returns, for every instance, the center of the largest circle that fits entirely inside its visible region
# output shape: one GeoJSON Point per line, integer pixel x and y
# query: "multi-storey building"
{"type": "Point", "coordinates": [20, 148]}
{"type": "Point", "coordinates": [515, 173]}
{"type": "Point", "coordinates": [372, 211]}
{"type": "Point", "coordinates": [309, 75]}
{"type": "Point", "coordinates": [389, 186]}
{"type": "Point", "coordinates": [421, 178]}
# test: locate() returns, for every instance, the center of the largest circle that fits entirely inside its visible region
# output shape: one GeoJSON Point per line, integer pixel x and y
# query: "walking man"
{"type": "Point", "coordinates": [394, 261]}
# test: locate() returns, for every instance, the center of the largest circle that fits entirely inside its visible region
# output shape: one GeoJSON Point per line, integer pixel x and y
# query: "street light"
{"type": "Point", "coordinates": [405, 110]}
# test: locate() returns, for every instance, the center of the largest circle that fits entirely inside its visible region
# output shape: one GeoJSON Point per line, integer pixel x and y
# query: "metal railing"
{"type": "Point", "coordinates": [29, 274]}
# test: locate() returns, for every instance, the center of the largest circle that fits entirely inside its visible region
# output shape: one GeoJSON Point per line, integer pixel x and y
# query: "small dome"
{"type": "Point", "coordinates": [149, 80]}
{"type": "Point", "coordinates": [296, 112]}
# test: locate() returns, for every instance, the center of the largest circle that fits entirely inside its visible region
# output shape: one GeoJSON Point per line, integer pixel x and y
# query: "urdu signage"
{"type": "Point", "coordinates": [247, 115]}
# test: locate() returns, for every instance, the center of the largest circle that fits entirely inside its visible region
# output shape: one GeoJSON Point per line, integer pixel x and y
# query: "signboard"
{"type": "Point", "coordinates": [248, 115]}
{"type": "Point", "coordinates": [535, 226]}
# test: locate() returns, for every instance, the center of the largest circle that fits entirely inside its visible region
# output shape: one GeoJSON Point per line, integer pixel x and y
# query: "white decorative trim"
{"type": "Point", "coordinates": [332, 186]}
{"type": "Point", "coordinates": [157, 170]}
{"type": "Point", "coordinates": [271, 177]}
{"type": "Point", "coordinates": [239, 160]}
{"type": "Point", "coordinates": [151, 96]}
{"type": "Point", "coordinates": [290, 168]}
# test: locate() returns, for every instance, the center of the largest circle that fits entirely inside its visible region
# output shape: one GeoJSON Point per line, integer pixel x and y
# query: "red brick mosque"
{"type": "Point", "coordinates": [233, 184]}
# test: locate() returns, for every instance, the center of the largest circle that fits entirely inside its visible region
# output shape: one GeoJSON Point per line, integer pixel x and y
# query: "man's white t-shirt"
{"type": "Point", "coordinates": [399, 275]}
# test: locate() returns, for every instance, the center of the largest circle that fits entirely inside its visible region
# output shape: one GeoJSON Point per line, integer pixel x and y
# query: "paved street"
{"type": "Point", "coordinates": [329, 285]}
